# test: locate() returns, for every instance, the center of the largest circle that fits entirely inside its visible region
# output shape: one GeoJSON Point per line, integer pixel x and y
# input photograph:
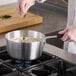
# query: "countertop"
{"type": "Point", "coordinates": [64, 55]}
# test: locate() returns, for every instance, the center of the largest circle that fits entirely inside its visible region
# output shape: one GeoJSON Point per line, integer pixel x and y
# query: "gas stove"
{"type": "Point", "coordinates": [46, 65]}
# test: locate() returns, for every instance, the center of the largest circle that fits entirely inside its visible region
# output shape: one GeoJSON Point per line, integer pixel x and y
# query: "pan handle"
{"type": "Point", "coordinates": [49, 37]}
{"type": "Point", "coordinates": [54, 36]}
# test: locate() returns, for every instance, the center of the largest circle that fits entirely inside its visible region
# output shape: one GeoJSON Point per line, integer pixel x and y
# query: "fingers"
{"type": "Point", "coordinates": [18, 8]}
{"type": "Point", "coordinates": [65, 37]}
{"type": "Point", "coordinates": [63, 31]}
{"type": "Point", "coordinates": [72, 33]}
{"type": "Point", "coordinates": [24, 5]}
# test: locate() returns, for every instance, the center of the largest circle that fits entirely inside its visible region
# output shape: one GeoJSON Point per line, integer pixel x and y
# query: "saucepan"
{"type": "Point", "coordinates": [25, 44]}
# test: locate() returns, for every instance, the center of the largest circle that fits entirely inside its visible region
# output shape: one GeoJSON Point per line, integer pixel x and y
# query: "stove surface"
{"type": "Point", "coordinates": [46, 65]}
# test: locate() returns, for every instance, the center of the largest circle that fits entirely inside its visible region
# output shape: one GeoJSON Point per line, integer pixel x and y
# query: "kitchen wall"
{"type": "Point", "coordinates": [62, 3]}
{"type": "Point", "coordinates": [59, 2]}
{"type": "Point", "coordinates": [4, 2]}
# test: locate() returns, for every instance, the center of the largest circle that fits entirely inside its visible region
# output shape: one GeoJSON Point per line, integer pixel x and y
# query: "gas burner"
{"type": "Point", "coordinates": [4, 70]}
{"type": "Point", "coordinates": [52, 68]}
{"type": "Point", "coordinates": [46, 65]}
{"type": "Point", "coordinates": [44, 69]}
{"type": "Point", "coordinates": [20, 63]}
{"type": "Point", "coordinates": [13, 66]}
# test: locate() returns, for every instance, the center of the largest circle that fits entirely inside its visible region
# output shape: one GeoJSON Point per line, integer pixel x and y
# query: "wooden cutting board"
{"type": "Point", "coordinates": [16, 21]}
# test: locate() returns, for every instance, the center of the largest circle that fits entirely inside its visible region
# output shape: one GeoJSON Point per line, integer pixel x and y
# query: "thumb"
{"type": "Point", "coordinates": [63, 31]}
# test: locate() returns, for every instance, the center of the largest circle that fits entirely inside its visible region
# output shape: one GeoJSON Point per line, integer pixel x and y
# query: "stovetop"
{"type": "Point", "coordinates": [46, 65]}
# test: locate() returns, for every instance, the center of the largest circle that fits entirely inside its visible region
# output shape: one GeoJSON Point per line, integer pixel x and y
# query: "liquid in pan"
{"type": "Point", "coordinates": [25, 39]}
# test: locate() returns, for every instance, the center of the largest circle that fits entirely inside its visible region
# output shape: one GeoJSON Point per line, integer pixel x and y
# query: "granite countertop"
{"type": "Point", "coordinates": [54, 18]}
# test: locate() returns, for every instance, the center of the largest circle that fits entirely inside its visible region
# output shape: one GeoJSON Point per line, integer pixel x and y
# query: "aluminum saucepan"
{"type": "Point", "coordinates": [20, 47]}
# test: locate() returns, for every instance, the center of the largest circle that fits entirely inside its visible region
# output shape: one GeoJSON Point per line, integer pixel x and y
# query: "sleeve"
{"type": "Point", "coordinates": [74, 12]}
{"type": "Point", "coordinates": [40, 1]}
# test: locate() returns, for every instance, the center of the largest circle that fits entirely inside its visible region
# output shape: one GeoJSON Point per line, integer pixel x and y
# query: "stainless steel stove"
{"type": "Point", "coordinates": [46, 65]}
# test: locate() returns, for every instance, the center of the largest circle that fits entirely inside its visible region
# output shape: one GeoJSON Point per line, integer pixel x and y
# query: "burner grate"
{"type": "Point", "coordinates": [46, 65]}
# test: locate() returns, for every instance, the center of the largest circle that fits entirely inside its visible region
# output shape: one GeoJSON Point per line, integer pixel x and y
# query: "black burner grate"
{"type": "Point", "coordinates": [46, 65]}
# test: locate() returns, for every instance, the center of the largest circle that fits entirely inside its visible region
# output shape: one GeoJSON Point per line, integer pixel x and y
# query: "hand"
{"type": "Point", "coordinates": [24, 5]}
{"type": "Point", "coordinates": [69, 34]}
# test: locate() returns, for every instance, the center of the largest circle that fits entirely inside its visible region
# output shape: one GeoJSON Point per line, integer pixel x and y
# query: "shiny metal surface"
{"type": "Point", "coordinates": [65, 55]}
{"type": "Point", "coordinates": [23, 50]}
